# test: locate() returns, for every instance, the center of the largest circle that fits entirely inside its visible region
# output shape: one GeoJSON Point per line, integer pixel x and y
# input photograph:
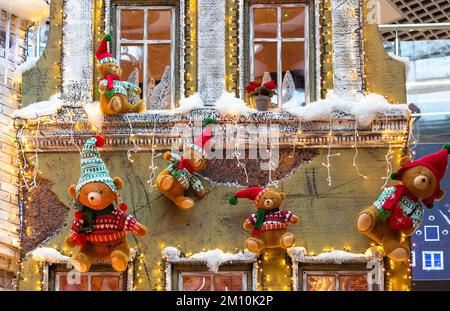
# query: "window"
{"type": "Point", "coordinates": [220, 281]}
{"type": "Point", "coordinates": [10, 30]}
{"type": "Point", "coordinates": [431, 233]}
{"type": "Point", "coordinates": [335, 281]}
{"type": "Point", "coordinates": [90, 281]}
{"type": "Point", "coordinates": [432, 260]}
{"type": "Point", "coordinates": [278, 35]}
{"type": "Point", "coordinates": [145, 48]}
{"type": "Point", "coordinates": [413, 258]}
{"type": "Point", "coordinates": [37, 36]}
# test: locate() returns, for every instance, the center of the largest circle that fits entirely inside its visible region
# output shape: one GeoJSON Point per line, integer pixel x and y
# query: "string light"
{"type": "Point", "coordinates": [355, 164]}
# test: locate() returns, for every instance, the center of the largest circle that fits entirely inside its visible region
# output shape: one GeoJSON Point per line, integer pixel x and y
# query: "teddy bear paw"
{"type": "Point", "coordinates": [287, 240]}
{"type": "Point", "coordinates": [116, 104]}
{"type": "Point", "coordinates": [81, 262]}
{"type": "Point", "coordinates": [166, 182]}
{"type": "Point", "coordinates": [186, 203]}
{"type": "Point", "coordinates": [119, 261]}
{"type": "Point", "coordinates": [253, 245]}
{"type": "Point", "coordinates": [364, 222]}
{"type": "Point", "coordinates": [399, 254]}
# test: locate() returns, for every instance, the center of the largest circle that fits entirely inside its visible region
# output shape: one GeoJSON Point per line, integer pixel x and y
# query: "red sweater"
{"type": "Point", "coordinates": [275, 220]}
{"type": "Point", "coordinates": [107, 228]}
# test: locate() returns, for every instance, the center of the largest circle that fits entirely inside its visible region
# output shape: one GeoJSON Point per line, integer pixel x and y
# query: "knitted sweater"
{"type": "Point", "coordinates": [106, 228]}
{"type": "Point", "coordinates": [121, 87]}
{"type": "Point", "coordinates": [274, 220]}
{"type": "Point", "coordinates": [185, 178]}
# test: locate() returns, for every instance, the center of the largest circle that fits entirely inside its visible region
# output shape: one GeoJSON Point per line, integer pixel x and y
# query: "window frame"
{"type": "Point", "coordinates": [425, 233]}
{"type": "Point", "coordinates": [413, 258]}
{"type": "Point", "coordinates": [146, 42]}
{"type": "Point", "coordinates": [336, 274]}
{"type": "Point", "coordinates": [90, 275]}
{"type": "Point", "coordinates": [279, 40]}
{"type": "Point", "coordinates": [243, 274]}
{"type": "Point", "coordinates": [433, 267]}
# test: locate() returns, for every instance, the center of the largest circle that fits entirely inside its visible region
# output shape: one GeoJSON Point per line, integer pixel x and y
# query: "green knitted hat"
{"type": "Point", "coordinates": [92, 167]}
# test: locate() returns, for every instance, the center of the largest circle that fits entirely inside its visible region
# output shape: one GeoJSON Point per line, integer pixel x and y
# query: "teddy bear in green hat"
{"type": "Point", "coordinates": [101, 224]}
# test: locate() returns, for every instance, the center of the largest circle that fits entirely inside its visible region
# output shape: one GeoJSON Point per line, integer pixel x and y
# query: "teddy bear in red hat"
{"type": "Point", "coordinates": [114, 91]}
{"type": "Point", "coordinates": [398, 212]}
{"type": "Point", "coordinates": [179, 176]}
{"type": "Point", "coordinates": [269, 224]}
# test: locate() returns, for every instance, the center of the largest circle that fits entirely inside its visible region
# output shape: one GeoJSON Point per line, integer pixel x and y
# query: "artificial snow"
{"type": "Point", "coordinates": [212, 258]}
{"type": "Point", "coordinates": [30, 63]}
{"type": "Point", "coordinates": [190, 103]}
{"type": "Point", "coordinates": [364, 107]}
{"type": "Point", "coordinates": [335, 257]}
{"type": "Point", "coordinates": [229, 105]}
{"type": "Point", "coordinates": [39, 109]}
{"type": "Point", "coordinates": [33, 10]}
{"type": "Point", "coordinates": [404, 60]}
{"type": "Point", "coordinates": [94, 114]}
{"type": "Point", "coordinates": [50, 255]}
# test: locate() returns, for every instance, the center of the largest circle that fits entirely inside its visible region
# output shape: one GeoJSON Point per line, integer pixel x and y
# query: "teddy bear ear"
{"type": "Point", "coordinates": [283, 196]}
{"type": "Point", "coordinates": [118, 182]}
{"type": "Point", "coordinates": [405, 160]}
{"type": "Point", "coordinates": [72, 191]}
{"type": "Point", "coordinates": [440, 195]}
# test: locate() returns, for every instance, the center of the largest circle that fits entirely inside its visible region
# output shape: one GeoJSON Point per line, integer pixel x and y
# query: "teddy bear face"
{"type": "Point", "coordinates": [271, 200]}
{"type": "Point", "coordinates": [109, 68]}
{"type": "Point", "coordinates": [420, 181]}
{"type": "Point", "coordinates": [195, 159]}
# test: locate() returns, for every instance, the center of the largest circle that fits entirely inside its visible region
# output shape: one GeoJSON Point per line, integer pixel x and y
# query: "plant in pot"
{"type": "Point", "coordinates": [262, 93]}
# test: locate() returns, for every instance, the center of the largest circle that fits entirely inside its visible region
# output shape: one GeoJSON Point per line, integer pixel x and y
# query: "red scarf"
{"type": "Point", "coordinates": [185, 164]}
{"type": "Point", "coordinates": [397, 220]}
{"type": "Point", "coordinates": [110, 79]}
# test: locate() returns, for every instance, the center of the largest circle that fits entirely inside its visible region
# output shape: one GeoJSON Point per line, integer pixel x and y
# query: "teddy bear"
{"type": "Point", "coordinates": [99, 227]}
{"type": "Point", "coordinates": [398, 212]}
{"type": "Point", "coordinates": [113, 91]}
{"type": "Point", "coordinates": [179, 176]}
{"type": "Point", "coordinates": [269, 224]}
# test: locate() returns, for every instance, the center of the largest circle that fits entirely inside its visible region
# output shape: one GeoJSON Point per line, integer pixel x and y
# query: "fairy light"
{"type": "Point", "coordinates": [388, 157]}
{"type": "Point", "coordinates": [135, 148]}
{"type": "Point", "coordinates": [329, 154]}
{"type": "Point", "coordinates": [190, 48]}
{"type": "Point", "coordinates": [237, 154]}
{"type": "Point", "coordinates": [355, 146]}
{"type": "Point", "coordinates": [153, 156]}
{"type": "Point", "coordinates": [231, 43]}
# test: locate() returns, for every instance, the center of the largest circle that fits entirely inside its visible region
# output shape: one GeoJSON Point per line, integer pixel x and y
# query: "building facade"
{"type": "Point", "coordinates": [193, 59]}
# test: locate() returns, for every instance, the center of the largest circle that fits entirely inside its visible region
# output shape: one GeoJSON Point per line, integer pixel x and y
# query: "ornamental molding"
{"type": "Point", "coordinates": [69, 128]}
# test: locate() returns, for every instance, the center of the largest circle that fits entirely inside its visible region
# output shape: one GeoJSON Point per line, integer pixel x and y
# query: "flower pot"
{"type": "Point", "coordinates": [262, 102]}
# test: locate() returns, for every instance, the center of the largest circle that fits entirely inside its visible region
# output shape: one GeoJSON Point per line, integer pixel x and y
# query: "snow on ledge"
{"type": "Point", "coordinates": [364, 108]}
{"type": "Point", "coordinates": [212, 258]}
{"type": "Point", "coordinates": [53, 256]}
{"type": "Point", "coordinates": [39, 109]}
{"type": "Point", "coordinates": [30, 63]}
{"type": "Point", "coordinates": [229, 105]}
{"type": "Point", "coordinates": [339, 257]}
{"type": "Point", "coordinates": [190, 103]}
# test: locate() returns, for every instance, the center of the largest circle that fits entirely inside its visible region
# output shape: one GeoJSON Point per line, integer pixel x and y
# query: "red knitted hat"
{"type": "Point", "coordinates": [102, 54]}
{"type": "Point", "coordinates": [436, 162]}
{"type": "Point", "coordinates": [199, 143]}
{"type": "Point", "coordinates": [253, 193]}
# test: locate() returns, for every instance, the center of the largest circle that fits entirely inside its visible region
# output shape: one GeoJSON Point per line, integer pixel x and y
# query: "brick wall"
{"type": "Point", "coordinates": [12, 53]}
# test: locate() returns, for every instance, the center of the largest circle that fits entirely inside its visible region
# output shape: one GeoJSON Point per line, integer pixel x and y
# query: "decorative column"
{"type": "Point", "coordinates": [77, 52]}
{"type": "Point", "coordinates": [347, 47]}
{"type": "Point", "coordinates": [211, 50]}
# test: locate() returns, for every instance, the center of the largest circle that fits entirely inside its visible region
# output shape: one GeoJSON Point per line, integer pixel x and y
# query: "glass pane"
{"type": "Point", "coordinates": [132, 24]}
{"type": "Point", "coordinates": [158, 72]}
{"type": "Point", "coordinates": [265, 60]}
{"type": "Point", "coordinates": [353, 282]}
{"type": "Point", "coordinates": [265, 23]}
{"type": "Point", "coordinates": [159, 22]}
{"type": "Point", "coordinates": [105, 283]}
{"type": "Point", "coordinates": [66, 285]}
{"type": "Point", "coordinates": [293, 60]}
{"type": "Point", "coordinates": [228, 283]}
{"type": "Point", "coordinates": [293, 22]}
{"type": "Point", "coordinates": [321, 283]}
{"type": "Point", "coordinates": [437, 260]}
{"type": "Point", "coordinates": [131, 59]}
{"type": "Point", "coordinates": [196, 283]}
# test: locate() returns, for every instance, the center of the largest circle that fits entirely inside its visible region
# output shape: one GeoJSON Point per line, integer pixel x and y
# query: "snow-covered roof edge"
{"type": "Point", "coordinates": [299, 254]}
{"type": "Point", "coordinates": [212, 258]}
{"type": "Point", "coordinates": [53, 256]}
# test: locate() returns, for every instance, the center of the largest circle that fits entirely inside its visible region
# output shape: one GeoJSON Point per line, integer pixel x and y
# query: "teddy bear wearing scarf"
{"type": "Point", "coordinates": [398, 211]}
{"type": "Point", "coordinates": [269, 224]}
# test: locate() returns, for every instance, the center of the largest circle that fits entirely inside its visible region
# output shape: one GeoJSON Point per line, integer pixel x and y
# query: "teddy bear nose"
{"type": "Point", "coordinates": [94, 198]}
{"type": "Point", "coordinates": [421, 182]}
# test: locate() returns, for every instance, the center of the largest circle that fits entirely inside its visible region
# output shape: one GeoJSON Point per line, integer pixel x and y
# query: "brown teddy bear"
{"type": "Point", "coordinates": [113, 91]}
{"type": "Point", "coordinates": [99, 227]}
{"type": "Point", "coordinates": [398, 212]}
{"type": "Point", "coordinates": [179, 176]}
{"type": "Point", "coordinates": [269, 224]}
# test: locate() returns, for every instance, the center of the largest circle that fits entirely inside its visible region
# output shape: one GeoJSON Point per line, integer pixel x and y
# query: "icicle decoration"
{"type": "Point", "coordinates": [329, 154]}
{"type": "Point", "coordinates": [135, 147]}
{"type": "Point", "coordinates": [357, 152]}
{"type": "Point", "coordinates": [389, 155]}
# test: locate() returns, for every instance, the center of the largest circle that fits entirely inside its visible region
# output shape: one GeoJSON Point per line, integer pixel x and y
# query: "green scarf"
{"type": "Point", "coordinates": [90, 217]}
{"type": "Point", "coordinates": [260, 214]}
